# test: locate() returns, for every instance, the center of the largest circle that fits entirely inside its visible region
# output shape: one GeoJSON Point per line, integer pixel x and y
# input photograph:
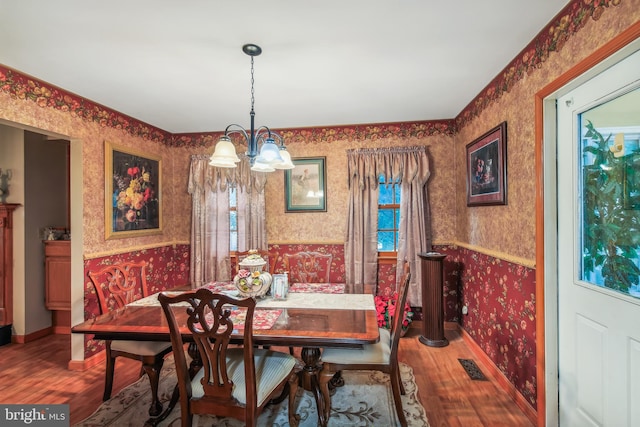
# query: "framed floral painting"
{"type": "Point", "coordinates": [133, 204]}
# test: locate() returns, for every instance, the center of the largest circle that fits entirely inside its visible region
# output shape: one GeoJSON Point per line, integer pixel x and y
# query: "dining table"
{"type": "Point", "coordinates": [312, 316]}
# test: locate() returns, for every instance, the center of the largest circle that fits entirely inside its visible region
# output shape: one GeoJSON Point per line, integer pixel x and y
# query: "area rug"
{"type": "Point", "coordinates": [365, 400]}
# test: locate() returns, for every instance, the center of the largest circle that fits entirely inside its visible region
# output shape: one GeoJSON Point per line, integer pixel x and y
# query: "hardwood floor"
{"type": "Point", "coordinates": [36, 372]}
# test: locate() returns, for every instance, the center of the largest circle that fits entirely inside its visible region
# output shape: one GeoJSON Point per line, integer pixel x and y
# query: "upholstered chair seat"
{"type": "Point", "coordinates": [271, 368]}
{"type": "Point", "coordinates": [378, 353]}
{"type": "Point", "coordinates": [143, 348]}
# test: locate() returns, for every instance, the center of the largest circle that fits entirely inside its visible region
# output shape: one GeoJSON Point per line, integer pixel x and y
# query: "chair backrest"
{"type": "Point", "coordinates": [398, 317]}
{"type": "Point", "coordinates": [268, 257]}
{"type": "Point", "coordinates": [119, 284]}
{"type": "Point", "coordinates": [308, 267]}
{"type": "Point", "coordinates": [209, 322]}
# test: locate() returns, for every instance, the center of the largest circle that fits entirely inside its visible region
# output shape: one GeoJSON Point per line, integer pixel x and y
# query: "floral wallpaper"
{"type": "Point", "coordinates": [500, 294]}
{"type": "Point", "coordinates": [501, 298]}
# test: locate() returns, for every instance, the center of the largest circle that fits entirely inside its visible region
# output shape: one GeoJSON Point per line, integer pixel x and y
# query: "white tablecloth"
{"type": "Point", "coordinates": [296, 300]}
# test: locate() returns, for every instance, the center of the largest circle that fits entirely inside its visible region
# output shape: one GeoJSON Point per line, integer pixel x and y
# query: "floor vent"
{"type": "Point", "coordinates": [472, 369]}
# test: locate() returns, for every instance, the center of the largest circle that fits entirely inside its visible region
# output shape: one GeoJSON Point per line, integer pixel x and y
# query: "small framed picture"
{"type": "Point", "coordinates": [304, 185]}
{"type": "Point", "coordinates": [280, 286]}
{"type": "Point", "coordinates": [487, 168]}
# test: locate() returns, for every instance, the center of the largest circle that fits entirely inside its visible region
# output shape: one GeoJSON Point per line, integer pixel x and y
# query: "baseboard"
{"type": "Point", "coordinates": [21, 339]}
{"type": "Point", "coordinates": [62, 330]}
{"type": "Point", "coordinates": [500, 378]}
{"type": "Point", "coordinates": [83, 365]}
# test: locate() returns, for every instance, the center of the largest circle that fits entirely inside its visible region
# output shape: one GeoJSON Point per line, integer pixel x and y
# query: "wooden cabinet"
{"type": "Point", "coordinates": [58, 274]}
{"type": "Point", "coordinates": [6, 263]}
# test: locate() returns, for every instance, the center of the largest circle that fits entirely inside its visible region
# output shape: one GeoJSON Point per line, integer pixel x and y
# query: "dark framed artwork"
{"type": "Point", "coordinates": [487, 168]}
{"type": "Point", "coordinates": [305, 185]}
{"type": "Point", "coordinates": [133, 203]}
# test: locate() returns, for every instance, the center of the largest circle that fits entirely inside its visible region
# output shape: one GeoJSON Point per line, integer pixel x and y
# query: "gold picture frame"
{"type": "Point", "coordinates": [133, 189]}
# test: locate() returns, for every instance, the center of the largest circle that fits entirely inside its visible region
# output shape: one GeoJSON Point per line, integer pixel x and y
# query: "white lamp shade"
{"type": "Point", "coordinates": [269, 153]}
{"type": "Point", "coordinates": [287, 163]}
{"type": "Point", "coordinates": [259, 166]}
{"type": "Point", "coordinates": [224, 156]}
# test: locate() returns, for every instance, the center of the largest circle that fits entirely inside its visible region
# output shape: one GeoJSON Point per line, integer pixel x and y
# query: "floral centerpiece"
{"type": "Point", "coordinates": [386, 309]}
{"type": "Point", "coordinates": [251, 281]}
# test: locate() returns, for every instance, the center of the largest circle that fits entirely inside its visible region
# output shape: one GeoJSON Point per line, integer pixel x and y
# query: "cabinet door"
{"type": "Point", "coordinates": [58, 289]}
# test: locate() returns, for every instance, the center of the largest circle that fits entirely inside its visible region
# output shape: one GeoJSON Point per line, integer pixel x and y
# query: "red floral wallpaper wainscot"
{"type": "Point", "coordinates": [167, 268]}
{"type": "Point", "coordinates": [501, 299]}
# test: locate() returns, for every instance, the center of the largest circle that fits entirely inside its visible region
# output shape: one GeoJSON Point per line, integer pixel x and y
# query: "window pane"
{"type": "Point", "coordinates": [610, 156]}
{"type": "Point", "coordinates": [233, 242]}
{"type": "Point", "coordinates": [397, 219]}
{"type": "Point", "coordinates": [386, 194]}
{"type": "Point", "coordinates": [385, 219]}
{"type": "Point", "coordinates": [385, 241]}
{"type": "Point", "coordinates": [396, 192]}
{"type": "Point", "coordinates": [233, 198]}
{"type": "Point", "coordinates": [233, 220]}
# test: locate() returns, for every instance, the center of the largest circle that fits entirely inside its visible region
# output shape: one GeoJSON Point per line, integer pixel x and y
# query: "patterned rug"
{"type": "Point", "coordinates": [364, 400]}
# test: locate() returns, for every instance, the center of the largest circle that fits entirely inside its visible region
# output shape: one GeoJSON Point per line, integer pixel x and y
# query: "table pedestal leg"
{"type": "Point", "coordinates": [309, 379]}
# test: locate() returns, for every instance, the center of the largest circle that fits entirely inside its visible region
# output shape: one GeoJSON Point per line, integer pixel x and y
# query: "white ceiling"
{"type": "Point", "coordinates": [179, 65]}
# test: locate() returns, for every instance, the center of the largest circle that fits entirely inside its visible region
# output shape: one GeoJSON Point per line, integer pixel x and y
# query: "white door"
{"type": "Point", "coordinates": [598, 202]}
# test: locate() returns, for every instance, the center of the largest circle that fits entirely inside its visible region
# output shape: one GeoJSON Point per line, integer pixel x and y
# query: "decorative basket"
{"type": "Point", "coordinates": [251, 281]}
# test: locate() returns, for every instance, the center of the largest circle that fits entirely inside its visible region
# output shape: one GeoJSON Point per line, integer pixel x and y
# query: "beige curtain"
{"type": "Point", "coordinates": [209, 189]}
{"type": "Point", "coordinates": [409, 165]}
{"type": "Point", "coordinates": [252, 232]}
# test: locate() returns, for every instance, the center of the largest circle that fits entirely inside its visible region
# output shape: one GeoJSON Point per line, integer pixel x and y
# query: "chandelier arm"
{"type": "Point", "coordinates": [260, 135]}
{"type": "Point", "coordinates": [238, 129]}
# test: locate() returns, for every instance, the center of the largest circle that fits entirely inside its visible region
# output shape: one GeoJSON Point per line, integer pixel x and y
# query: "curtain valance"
{"type": "Point", "coordinates": [406, 164]}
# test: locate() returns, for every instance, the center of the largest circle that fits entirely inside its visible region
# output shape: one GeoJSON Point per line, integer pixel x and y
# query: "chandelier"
{"type": "Point", "coordinates": [266, 150]}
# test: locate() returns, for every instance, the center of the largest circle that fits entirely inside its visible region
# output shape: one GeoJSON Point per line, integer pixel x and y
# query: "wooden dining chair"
{"type": "Point", "coordinates": [117, 285]}
{"type": "Point", "coordinates": [308, 267]}
{"type": "Point", "coordinates": [233, 381]}
{"type": "Point", "coordinates": [381, 356]}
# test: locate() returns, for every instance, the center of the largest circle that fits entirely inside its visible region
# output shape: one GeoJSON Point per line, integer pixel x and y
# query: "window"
{"type": "Point", "coordinates": [610, 156]}
{"type": "Point", "coordinates": [233, 219]}
{"type": "Point", "coordinates": [388, 215]}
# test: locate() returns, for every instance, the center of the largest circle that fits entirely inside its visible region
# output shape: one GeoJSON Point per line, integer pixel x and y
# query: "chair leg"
{"type": "Point", "coordinates": [108, 373]}
{"type": "Point", "coordinates": [395, 387]}
{"type": "Point", "coordinates": [324, 377]}
{"type": "Point", "coordinates": [153, 372]}
{"type": "Point", "coordinates": [397, 367]}
{"type": "Point", "coordinates": [294, 418]}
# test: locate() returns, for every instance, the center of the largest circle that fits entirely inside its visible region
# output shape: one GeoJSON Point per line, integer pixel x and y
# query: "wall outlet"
{"type": "Point", "coordinates": [465, 309]}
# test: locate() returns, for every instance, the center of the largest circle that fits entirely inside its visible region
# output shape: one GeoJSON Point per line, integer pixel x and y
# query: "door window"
{"type": "Point", "coordinates": [610, 169]}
